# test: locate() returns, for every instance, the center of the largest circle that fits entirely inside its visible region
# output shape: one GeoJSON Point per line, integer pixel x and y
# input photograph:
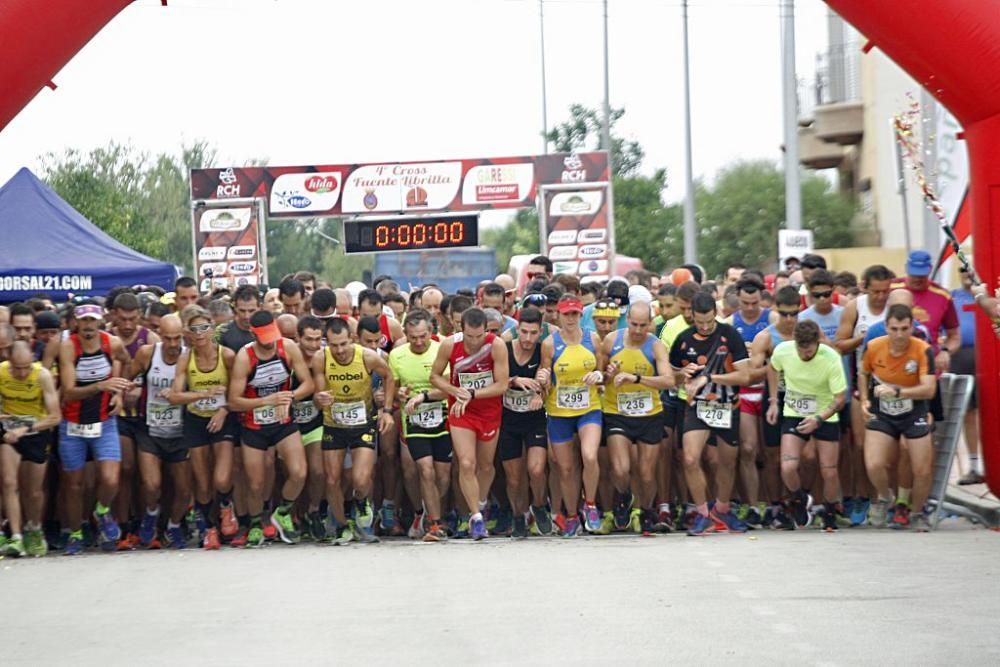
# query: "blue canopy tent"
{"type": "Point", "coordinates": [47, 246]}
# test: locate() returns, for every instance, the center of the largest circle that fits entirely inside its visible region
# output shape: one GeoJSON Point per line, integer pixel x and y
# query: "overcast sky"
{"type": "Point", "coordinates": [341, 81]}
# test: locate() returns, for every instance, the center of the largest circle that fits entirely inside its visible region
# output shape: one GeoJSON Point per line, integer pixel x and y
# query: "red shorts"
{"type": "Point", "coordinates": [752, 401]}
{"type": "Point", "coordinates": [485, 426]}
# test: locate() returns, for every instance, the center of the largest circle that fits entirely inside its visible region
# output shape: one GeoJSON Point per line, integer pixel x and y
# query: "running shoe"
{"type": "Point", "coordinates": [920, 523]}
{"type": "Point", "coordinates": [462, 530]}
{"type": "Point", "coordinates": [646, 522]}
{"type": "Point", "coordinates": [843, 520]}
{"type": "Point", "coordinates": [387, 518]}
{"type": "Point", "coordinates": [34, 542]}
{"type": "Point", "coordinates": [491, 515]}
{"type": "Point", "coordinates": [971, 477]}
{"type": "Point", "coordinates": [664, 522]}
{"type": "Point", "coordinates": [451, 523]}
{"type": "Point", "coordinates": [14, 548]}
{"type": "Point", "coordinates": [560, 522]}
{"type": "Point", "coordinates": [741, 510]}
{"type": "Point", "coordinates": [436, 533]}
{"type": "Point", "coordinates": [607, 524]}
{"type": "Point", "coordinates": [285, 525]}
{"type": "Point", "coordinates": [700, 526]}
{"type": "Point", "coordinates": [269, 530]}
{"type": "Point", "coordinates": [623, 510]}
{"type": "Point", "coordinates": [241, 538]}
{"type": "Point", "coordinates": [878, 514]}
{"type": "Point", "coordinates": [635, 520]}
{"type": "Point", "coordinates": [173, 536]}
{"type": "Point", "coordinates": [477, 528]}
{"type": "Point", "coordinates": [417, 527]}
{"type": "Point", "coordinates": [592, 517]}
{"type": "Point", "coordinates": [74, 545]}
{"type": "Point", "coordinates": [543, 519]}
{"type": "Point", "coordinates": [829, 518]}
{"type": "Point", "coordinates": [366, 534]}
{"type": "Point", "coordinates": [753, 518]}
{"type": "Point", "coordinates": [228, 524]}
{"type": "Point", "coordinates": [128, 542]}
{"type": "Point", "coordinates": [345, 534]}
{"type": "Point", "coordinates": [571, 527]}
{"type": "Point", "coordinates": [783, 520]}
{"type": "Point", "coordinates": [799, 508]}
{"type": "Point", "coordinates": [211, 541]}
{"type": "Point", "coordinates": [901, 519]}
{"type": "Point", "coordinates": [519, 530]}
{"type": "Point", "coordinates": [504, 522]}
{"type": "Point", "coordinates": [364, 515]}
{"type": "Point", "coordinates": [147, 529]}
{"type": "Point", "coordinates": [255, 537]}
{"type": "Point", "coordinates": [317, 529]}
{"type": "Point", "coordinates": [858, 512]}
{"type": "Point", "coordinates": [108, 527]}
{"type": "Point", "coordinates": [727, 521]}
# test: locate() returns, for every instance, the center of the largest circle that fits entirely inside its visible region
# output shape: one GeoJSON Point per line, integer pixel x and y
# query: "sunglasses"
{"type": "Point", "coordinates": [200, 328]}
{"type": "Point", "coordinates": [604, 305]}
{"type": "Point", "coordinates": [788, 313]}
{"type": "Point", "coordinates": [821, 295]}
{"type": "Point", "coordinates": [537, 300]}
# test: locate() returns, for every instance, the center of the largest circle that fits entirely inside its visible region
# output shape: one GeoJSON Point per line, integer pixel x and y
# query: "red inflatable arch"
{"type": "Point", "coordinates": [952, 47]}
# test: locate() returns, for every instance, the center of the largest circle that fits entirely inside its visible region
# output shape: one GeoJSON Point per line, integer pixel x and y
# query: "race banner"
{"type": "Point", "coordinates": [403, 187]}
{"type": "Point", "coordinates": [228, 244]}
{"type": "Point", "coordinates": [575, 232]}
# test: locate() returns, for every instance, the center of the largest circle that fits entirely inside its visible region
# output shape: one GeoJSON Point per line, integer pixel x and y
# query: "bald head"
{"type": "Point", "coordinates": [171, 324]}
{"type": "Point", "coordinates": [288, 326]}
{"type": "Point", "coordinates": [20, 353]}
{"type": "Point", "coordinates": [506, 280]}
{"type": "Point", "coordinates": [902, 297]}
{"type": "Point", "coordinates": [343, 301]}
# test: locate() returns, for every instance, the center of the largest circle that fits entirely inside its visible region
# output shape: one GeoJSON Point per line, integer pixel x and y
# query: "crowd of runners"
{"type": "Point", "coordinates": [647, 404]}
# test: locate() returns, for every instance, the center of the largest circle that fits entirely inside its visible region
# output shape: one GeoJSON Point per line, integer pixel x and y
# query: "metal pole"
{"type": "Point", "coordinates": [901, 189]}
{"type": "Point", "coordinates": [545, 108]}
{"type": "Point", "coordinates": [793, 191]}
{"type": "Point", "coordinates": [606, 134]}
{"type": "Point", "coordinates": [690, 229]}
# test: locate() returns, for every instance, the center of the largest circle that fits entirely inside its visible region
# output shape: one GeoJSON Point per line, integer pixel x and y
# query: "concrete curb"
{"type": "Point", "coordinates": [976, 498]}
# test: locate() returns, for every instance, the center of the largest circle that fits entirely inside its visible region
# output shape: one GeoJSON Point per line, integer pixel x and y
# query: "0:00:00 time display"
{"type": "Point", "coordinates": [418, 233]}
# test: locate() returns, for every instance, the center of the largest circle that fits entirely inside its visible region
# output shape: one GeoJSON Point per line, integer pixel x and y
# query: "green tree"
{"type": "Point", "coordinates": [517, 237]}
{"type": "Point", "coordinates": [583, 132]}
{"type": "Point", "coordinates": [312, 245]}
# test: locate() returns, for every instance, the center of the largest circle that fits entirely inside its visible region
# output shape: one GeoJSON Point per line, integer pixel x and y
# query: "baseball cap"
{"type": "Point", "coordinates": [264, 329]}
{"type": "Point", "coordinates": [919, 263]}
{"type": "Point", "coordinates": [639, 294]}
{"type": "Point", "coordinates": [570, 304]}
{"type": "Point", "coordinates": [91, 310]}
{"type": "Point", "coordinates": [47, 320]}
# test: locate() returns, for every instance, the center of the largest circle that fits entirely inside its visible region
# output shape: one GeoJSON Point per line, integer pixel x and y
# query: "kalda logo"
{"type": "Point", "coordinates": [321, 184]}
{"type": "Point", "coordinates": [229, 187]}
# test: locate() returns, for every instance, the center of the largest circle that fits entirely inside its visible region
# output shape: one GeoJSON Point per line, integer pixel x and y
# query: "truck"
{"type": "Point", "coordinates": [450, 268]}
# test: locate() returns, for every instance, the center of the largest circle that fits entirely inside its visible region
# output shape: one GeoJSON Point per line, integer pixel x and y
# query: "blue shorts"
{"type": "Point", "coordinates": [562, 429]}
{"type": "Point", "coordinates": [73, 449]}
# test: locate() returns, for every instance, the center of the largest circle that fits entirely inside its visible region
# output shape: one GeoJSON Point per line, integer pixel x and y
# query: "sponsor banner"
{"type": "Point", "coordinates": [794, 243]}
{"type": "Point", "coordinates": [403, 187]}
{"type": "Point", "coordinates": [576, 228]}
{"type": "Point", "coordinates": [227, 243]}
{"type": "Point", "coordinates": [564, 267]}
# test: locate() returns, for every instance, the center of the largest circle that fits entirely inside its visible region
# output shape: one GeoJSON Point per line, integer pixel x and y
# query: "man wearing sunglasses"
{"type": "Point", "coordinates": [786, 308]}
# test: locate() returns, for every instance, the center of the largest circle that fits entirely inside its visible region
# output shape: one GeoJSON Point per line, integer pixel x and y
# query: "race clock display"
{"type": "Point", "coordinates": [428, 232]}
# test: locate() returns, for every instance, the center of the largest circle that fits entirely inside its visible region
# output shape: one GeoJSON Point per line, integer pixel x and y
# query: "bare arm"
{"type": "Point", "coordinates": [844, 340]}
{"type": "Point", "coordinates": [50, 396]}
{"type": "Point", "coordinates": [301, 370]}
{"type": "Point", "coordinates": [67, 375]}
{"type": "Point", "coordinates": [501, 372]}
{"type": "Point", "coordinates": [438, 380]}
{"type": "Point", "coordinates": [759, 348]}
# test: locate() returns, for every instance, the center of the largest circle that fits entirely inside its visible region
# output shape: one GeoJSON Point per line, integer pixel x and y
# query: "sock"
{"type": "Point", "coordinates": [255, 521]}
{"type": "Point", "coordinates": [243, 520]}
{"type": "Point", "coordinates": [153, 512]}
{"type": "Point", "coordinates": [721, 507]}
{"type": "Point", "coordinates": [665, 507]}
{"type": "Point", "coordinates": [388, 504]}
{"type": "Point", "coordinates": [172, 524]}
{"type": "Point", "coordinates": [703, 509]}
{"type": "Point", "coordinates": [483, 504]}
{"type": "Point", "coordinates": [973, 463]}
{"type": "Point", "coordinates": [903, 498]}
{"type": "Point", "coordinates": [224, 497]}
{"type": "Point", "coordinates": [15, 536]}
{"type": "Point", "coordinates": [102, 508]}
{"type": "Point", "coordinates": [285, 506]}
{"type": "Point", "coordinates": [477, 516]}
{"type": "Point", "coordinates": [31, 527]}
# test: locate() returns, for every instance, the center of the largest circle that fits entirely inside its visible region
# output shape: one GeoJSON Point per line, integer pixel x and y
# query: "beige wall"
{"type": "Point", "coordinates": [856, 260]}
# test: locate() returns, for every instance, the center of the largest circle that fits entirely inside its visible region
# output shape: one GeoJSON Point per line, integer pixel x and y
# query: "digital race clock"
{"type": "Point", "coordinates": [426, 232]}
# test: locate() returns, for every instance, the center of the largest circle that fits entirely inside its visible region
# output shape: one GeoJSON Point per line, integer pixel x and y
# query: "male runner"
{"type": "Point", "coordinates": [571, 363]}
{"type": "Point", "coordinates": [90, 367]}
{"type": "Point", "coordinates": [897, 382]}
{"type": "Point", "coordinates": [309, 418]}
{"type": "Point", "coordinates": [370, 305]}
{"type": "Point", "coordinates": [522, 428]}
{"type": "Point", "coordinates": [478, 379]}
{"type": "Point", "coordinates": [750, 319]}
{"type": "Point", "coordinates": [425, 422]}
{"type": "Point", "coordinates": [260, 388]}
{"type": "Point", "coordinates": [710, 360]}
{"type": "Point", "coordinates": [30, 407]}
{"type": "Point", "coordinates": [292, 294]}
{"type": "Point", "coordinates": [342, 376]}
{"type": "Point", "coordinates": [185, 292]}
{"type": "Point", "coordinates": [200, 383]}
{"type": "Point", "coordinates": [638, 368]}
{"type": "Point", "coordinates": [160, 438]}
{"type": "Point", "coordinates": [815, 391]}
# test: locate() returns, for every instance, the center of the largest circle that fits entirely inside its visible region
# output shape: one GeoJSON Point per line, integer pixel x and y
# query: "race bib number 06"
{"type": "Point", "coordinates": [716, 415]}
{"type": "Point", "coordinates": [265, 414]}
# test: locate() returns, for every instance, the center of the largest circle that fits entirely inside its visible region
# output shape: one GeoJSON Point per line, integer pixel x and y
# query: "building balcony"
{"type": "Point", "coordinates": [842, 123]}
{"type": "Point", "coordinates": [817, 154]}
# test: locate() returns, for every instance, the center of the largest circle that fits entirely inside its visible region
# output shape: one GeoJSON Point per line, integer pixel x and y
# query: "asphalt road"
{"type": "Point", "coordinates": [857, 596]}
